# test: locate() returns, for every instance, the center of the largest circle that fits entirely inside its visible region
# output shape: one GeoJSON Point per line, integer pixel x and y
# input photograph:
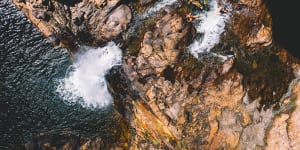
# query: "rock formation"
{"type": "Point", "coordinates": [69, 23]}
{"type": "Point", "coordinates": [171, 100]}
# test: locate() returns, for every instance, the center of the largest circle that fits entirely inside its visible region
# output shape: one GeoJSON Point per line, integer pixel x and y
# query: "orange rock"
{"type": "Point", "coordinates": [277, 137]}
{"type": "Point", "coordinates": [294, 120]}
{"type": "Point", "coordinates": [262, 37]}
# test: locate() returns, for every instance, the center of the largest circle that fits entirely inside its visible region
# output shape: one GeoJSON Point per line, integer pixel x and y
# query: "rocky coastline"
{"type": "Point", "coordinates": [164, 97]}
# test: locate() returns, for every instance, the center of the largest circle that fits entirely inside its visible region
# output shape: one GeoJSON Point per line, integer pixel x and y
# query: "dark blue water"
{"type": "Point", "coordinates": [29, 105]}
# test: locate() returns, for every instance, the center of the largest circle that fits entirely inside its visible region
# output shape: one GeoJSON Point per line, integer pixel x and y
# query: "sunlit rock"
{"type": "Point", "coordinates": [262, 37]}
{"type": "Point", "coordinates": [90, 22]}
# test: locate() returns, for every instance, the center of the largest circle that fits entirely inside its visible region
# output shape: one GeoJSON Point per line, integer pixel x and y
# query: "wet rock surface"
{"type": "Point", "coordinates": [251, 23]}
{"type": "Point", "coordinates": [90, 22]}
{"type": "Point", "coordinates": [171, 100]}
{"type": "Point", "coordinates": [32, 115]}
{"type": "Point", "coordinates": [145, 2]}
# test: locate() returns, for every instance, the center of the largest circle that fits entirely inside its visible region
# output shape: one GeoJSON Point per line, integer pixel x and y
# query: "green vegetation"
{"type": "Point", "coordinates": [134, 41]}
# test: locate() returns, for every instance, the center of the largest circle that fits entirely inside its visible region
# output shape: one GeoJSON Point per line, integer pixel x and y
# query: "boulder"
{"type": "Point", "coordinates": [159, 47]}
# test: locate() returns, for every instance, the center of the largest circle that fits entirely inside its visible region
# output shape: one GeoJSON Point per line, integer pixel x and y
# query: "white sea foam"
{"type": "Point", "coordinates": [139, 20]}
{"type": "Point", "coordinates": [211, 26]}
{"type": "Point", "coordinates": [157, 6]}
{"type": "Point", "coordinates": [85, 80]}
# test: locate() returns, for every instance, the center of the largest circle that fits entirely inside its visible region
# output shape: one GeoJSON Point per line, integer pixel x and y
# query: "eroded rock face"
{"type": "Point", "coordinates": [159, 50]}
{"type": "Point", "coordinates": [172, 100]}
{"type": "Point", "coordinates": [293, 122]}
{"type": "Point", "coordinates": [145, 2]}
{"type": "Point", "coordinates": [263, 37]}
{"type": "Point", "coordinates": [90, 22]}
{"type": "Point", "coordinates": [250, 3]}
{"type": "Point", "coordinates": [116, 23]}
{"type": "Point", "coordinates": [160, 47]}
{"type": "Point", "coordinates": [202, 106]}
{"type": "Point", "coordinates": [251, 23]}
{"type": "Point", "coordinates": [285, 131]}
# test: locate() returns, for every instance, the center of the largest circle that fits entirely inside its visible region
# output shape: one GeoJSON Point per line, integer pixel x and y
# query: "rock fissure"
{"type": "Point", "coordinates": [164, 97]}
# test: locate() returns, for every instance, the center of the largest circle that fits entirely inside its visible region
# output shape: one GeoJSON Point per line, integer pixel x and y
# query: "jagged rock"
{"type": "Point", "coordinates": [196, 3]}
{"type": "Point", "coordinates": [173, 111]}
{"type": "Point", "coordinates": [251, 23]}
{"type": "Point", "coordinates": [230, 128]}
{"type": "Point", "coordinates": [42, 15]}
{"type": "Point", "coordinates": [159, 47]}
{"type": "Point", "coordinates": [227, 65]}
{"type": "Point", "coordinates": [251, 3]}
{"type": "Point", "coordinates": [207, 109]}
{"type": "Point", "coordinates": [174, 101]}
{"type": "Point", "coordinates": [262, 37]}
{"type": "Point", "coordinates": [227, 94]}
{"type": "Point", "coordinates": [145, 2]}
{"type": "Point", "coordinates": [259, 126]}
{"type": "Point", "coordinates": [116, 22]}
{"type": "Point", "coordinates": [92, 144]}
{"type": "Point", "coordinates": [90, 22]}
{"type": "Point", "coordinates": [293, 122]}
{"type": "Point", "coordinates": [159, 50]}
{"type": "Point", "coordinates": [284, 131]}
{"type": "Point", "coordinates": [278, 135]}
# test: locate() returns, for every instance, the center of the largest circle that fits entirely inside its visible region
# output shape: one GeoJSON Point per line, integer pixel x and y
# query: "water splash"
{"type": "Point", "coordinates": [211, 26]}
{"type": "Point", "coordinates": [85, 80]}
{"type": "Point", "coordinates": [139, 20]}
{"type": "Point", "coordinates": [157, 6]}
